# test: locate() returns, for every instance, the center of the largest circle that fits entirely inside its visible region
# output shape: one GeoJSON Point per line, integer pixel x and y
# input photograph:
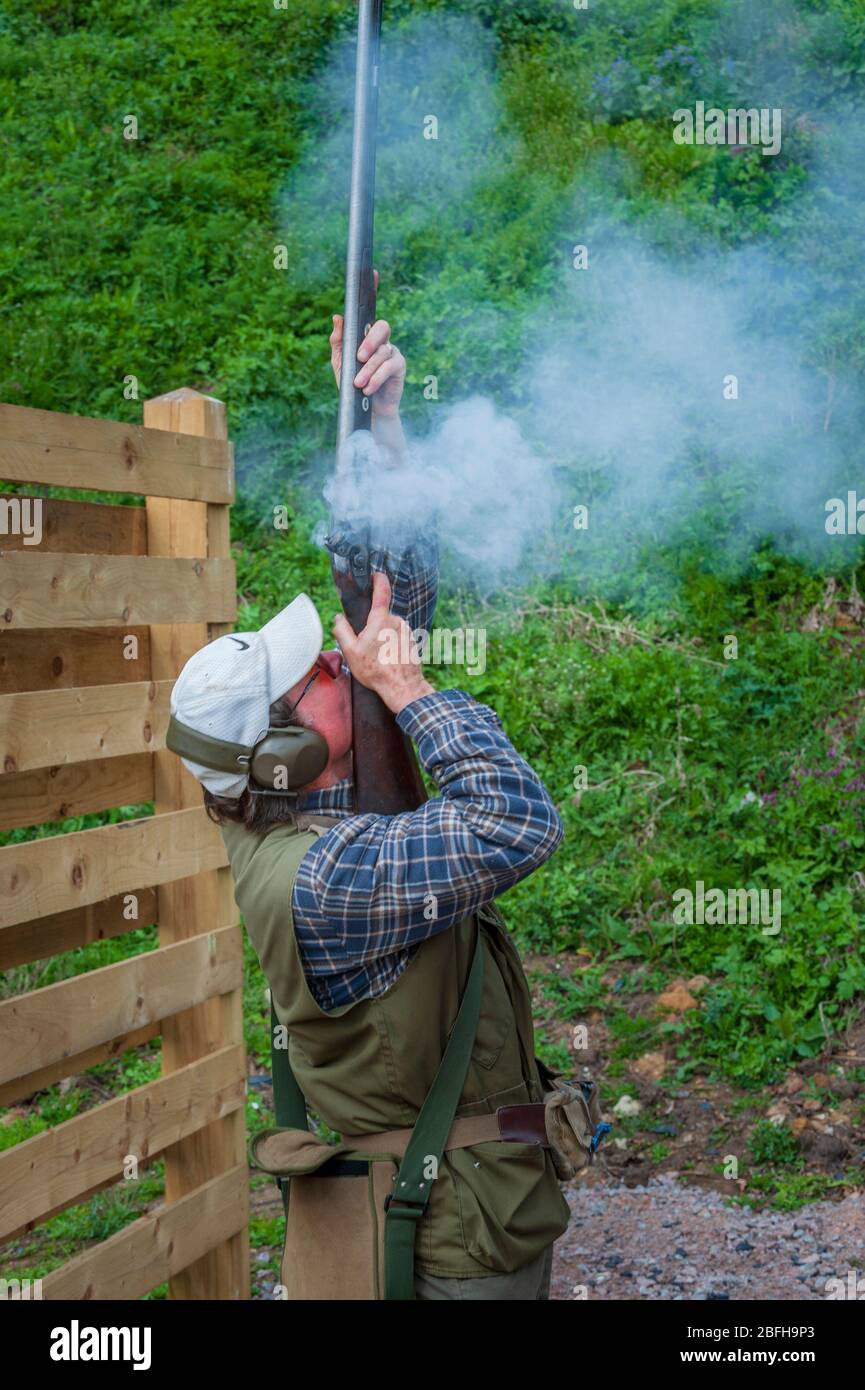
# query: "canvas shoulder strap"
{"type": "Point", "coordinates": [289, 1105]}
{"type": "Point", "coordinates": [412, 1187]}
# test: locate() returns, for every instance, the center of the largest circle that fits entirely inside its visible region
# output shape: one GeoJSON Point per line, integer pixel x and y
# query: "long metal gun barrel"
{"type": "Point", "coordinates": [354, 406]}
{"type": "Point", "coordinates": [386, 775]}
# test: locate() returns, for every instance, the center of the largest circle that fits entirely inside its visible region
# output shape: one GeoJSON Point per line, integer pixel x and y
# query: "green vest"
{"type": "Point", "coordinates": [367, 1066]}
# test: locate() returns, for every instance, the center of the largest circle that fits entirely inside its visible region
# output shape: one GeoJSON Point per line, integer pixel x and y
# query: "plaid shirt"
{"type": "Point", "coordinates": [371, 889]}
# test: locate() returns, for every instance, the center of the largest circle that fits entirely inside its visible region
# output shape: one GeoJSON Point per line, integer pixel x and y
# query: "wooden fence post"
{"type": "Point", "coordinates": [204, 903]}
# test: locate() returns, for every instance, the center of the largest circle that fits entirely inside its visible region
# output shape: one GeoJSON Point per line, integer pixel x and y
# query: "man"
{"type": "Point", "coordinates": [366, 931]}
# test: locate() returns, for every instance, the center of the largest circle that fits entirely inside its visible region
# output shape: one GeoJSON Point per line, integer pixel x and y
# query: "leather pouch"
{"type": "Point", "coordinates": [573, 1121]}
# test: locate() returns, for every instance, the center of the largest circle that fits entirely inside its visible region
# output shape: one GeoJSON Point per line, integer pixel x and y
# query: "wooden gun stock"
{"type": "Point", "coordinates": [387, 779]}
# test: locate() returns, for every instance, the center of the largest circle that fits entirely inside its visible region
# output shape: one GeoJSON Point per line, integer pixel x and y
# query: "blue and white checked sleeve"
{"type": "Point", "coordinates": [415, 583]}
{"type": "Point", "coordinates": [364, 891]}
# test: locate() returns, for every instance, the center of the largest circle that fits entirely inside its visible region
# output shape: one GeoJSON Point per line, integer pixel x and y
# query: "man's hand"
{"type": "Point", "coordinates": [383, 656]}
{"type": "Point", "coordinates": [382, 375]}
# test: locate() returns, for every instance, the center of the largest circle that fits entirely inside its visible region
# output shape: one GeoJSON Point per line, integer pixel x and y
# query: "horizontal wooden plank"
{"type": "Point", "coordinates": [71, 528]}
{"type": "Point", "coordinates": [40, 1028]}
{"type": "Point", "coordinates": [66, 871]}
{"type": "Point", "coordinates": [53, 728]}
{"type": "Point", "coordinates": [43, 446]}
{"type": "Point", "coordinates": [157, 1246]}
{"type": "Point", "coordinates": [24, 1087]}
{"type": "Point", "coordinates": [63, 1165]}
{"type": "Point", "coordinates": [55, 793]}
{"type": "Point", "coordinates": [57, 658]}
{"type": "Point", "coordinates": [80, 926]}
{"type": "Point", "coordinates": [107, 590]}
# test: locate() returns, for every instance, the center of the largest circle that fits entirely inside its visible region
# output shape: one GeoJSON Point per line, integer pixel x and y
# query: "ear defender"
{"type": "Point", "coordinates": [288, 759]}
{"type": "Point", "coordinates": [284, 760]}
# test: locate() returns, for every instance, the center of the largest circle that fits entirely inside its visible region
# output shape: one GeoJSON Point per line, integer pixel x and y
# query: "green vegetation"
{"type": "Point", "coordinates": [772, 1143]}
{"type": "Point", "coordinates": [778, 1173]}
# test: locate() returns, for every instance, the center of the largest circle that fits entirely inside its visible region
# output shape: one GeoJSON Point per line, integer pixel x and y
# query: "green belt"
{"type": "Point", "coordinates": [407, 1204]}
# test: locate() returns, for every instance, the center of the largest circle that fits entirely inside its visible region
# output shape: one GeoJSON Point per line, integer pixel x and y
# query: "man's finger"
{"type": "Point", "coordinates": [384, 354]}
{"type": "Point", "coordinates": [336, 346]}
{"type": "Point", "coordinates": [377, 336]}
{"type": "Point", "coordinates": [380, 592]}
{"type": "Point", "coordinates": [390, 368]}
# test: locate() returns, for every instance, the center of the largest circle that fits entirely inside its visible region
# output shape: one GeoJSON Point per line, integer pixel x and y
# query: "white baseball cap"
{"type": "Point", "coordinates": [226, 689]}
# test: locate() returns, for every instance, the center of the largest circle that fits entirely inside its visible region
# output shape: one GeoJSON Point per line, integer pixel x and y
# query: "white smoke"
{"type": "Point", "coordinates": [675, 387]}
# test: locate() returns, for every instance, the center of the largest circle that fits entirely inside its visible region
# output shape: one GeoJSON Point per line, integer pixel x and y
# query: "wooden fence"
{"type": "Point", "coordinates": [96, 621]}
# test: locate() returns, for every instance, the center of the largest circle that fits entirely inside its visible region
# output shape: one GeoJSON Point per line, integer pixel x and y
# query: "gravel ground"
{"type": "Point", "coordinates": [668, 1241]}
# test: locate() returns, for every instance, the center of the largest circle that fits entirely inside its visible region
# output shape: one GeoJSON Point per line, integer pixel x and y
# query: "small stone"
{"type": "Point", "coordinates": [651, 1066]}
{"type": "Point", "coordinates": [627, 1106]}
{"type": "Point", "coordinates": [677, 999]}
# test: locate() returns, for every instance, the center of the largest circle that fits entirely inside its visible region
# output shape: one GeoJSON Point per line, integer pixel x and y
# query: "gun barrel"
{"type": "Point", "coordinates": [354, 407]}
{"type": "Point", "coordinates": [387, 779]}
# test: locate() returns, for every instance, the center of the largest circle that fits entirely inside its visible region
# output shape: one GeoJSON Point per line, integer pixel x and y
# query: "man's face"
{"type": "Point", "coordinates": [326, 706]}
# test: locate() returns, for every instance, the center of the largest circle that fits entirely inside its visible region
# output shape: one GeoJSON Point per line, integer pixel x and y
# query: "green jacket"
{"type": "Point", "coordinates": [367, 1066]}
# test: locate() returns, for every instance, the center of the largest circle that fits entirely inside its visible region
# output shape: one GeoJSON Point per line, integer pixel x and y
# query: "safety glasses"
{"type": "Point", "coordinates": [315, 675]}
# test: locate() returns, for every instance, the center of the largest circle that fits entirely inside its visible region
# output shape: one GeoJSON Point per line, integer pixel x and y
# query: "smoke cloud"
{"type": "Point", "coordinates": [681, 389]}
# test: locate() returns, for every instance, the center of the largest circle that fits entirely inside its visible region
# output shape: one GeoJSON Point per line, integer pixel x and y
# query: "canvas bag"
{"type": "Point", "coordinates": [334, 1197]}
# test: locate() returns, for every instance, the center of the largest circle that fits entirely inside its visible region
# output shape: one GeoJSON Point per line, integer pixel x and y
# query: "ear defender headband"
{"type": "Point", "coordinates": [283, 760]}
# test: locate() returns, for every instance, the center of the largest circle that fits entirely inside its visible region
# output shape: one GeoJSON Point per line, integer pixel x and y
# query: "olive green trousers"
{"type": "Point", "coordinates": [531, 1281]}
